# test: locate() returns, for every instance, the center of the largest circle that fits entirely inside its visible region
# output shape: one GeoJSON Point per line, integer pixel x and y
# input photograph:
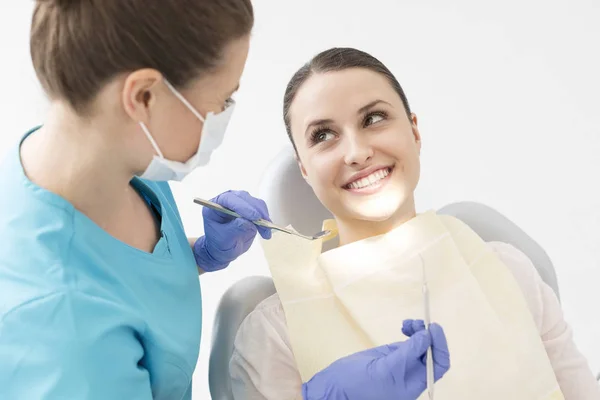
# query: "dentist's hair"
{"type": "Point", "coordinates": [77, 46]}
{"type": "Point", "coordinates": [336, 59]}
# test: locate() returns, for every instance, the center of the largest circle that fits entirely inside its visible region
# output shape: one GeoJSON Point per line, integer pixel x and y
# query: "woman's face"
{"type": "Point", "coordinates": [357, 148]}
{"type": "Point", "coordinates": [179, 128]}
{"type": "Point", "coordinates": [176, 130]}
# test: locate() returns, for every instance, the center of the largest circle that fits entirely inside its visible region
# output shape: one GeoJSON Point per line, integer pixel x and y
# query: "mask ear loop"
{"type": "Point", "coordinates": [184, 100]}
{"type": "Point", "coordinates": [151, 139]}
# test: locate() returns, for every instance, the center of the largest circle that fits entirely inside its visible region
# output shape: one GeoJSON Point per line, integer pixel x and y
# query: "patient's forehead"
{"type": "Point", "coordinates": [339, 95]}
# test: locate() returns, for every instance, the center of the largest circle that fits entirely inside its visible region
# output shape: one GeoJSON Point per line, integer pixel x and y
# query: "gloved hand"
{"type": "Point", "coordinates": [391, 372]}
{"type": "Point", "coordinates": [225, 237]}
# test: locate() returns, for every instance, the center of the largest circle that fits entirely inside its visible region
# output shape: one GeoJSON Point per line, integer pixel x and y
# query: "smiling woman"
{"type": "Point", "coordinates": [354, 126]}
{"type": "Point", "coordinates": [358, 146]}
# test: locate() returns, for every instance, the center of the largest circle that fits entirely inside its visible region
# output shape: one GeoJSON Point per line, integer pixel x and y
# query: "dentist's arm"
{"type": "Point", "coordinates": [192, 242]}
{"type": "Point", "coordinates": [226, 238]}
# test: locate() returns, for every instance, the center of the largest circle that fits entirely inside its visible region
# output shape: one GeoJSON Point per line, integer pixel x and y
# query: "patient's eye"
{"type": "Point", "coordinates": [374, 117]}
{"type": "Point", "coordinates": [321, 134]}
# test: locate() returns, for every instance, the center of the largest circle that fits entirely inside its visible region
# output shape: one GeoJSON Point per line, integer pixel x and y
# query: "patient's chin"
{"type": "Point", "coordinates": [379, 215]}
{"type": "Point", "coordinates": [378, 208]}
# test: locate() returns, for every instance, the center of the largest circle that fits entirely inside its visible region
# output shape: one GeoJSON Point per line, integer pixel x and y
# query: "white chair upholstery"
{"type": "Point", "coordinates": [291, 201]}
{"type": "Point", "coordinates": [492, 226]}
{"type": "Point", "coordinates": [237, 302]}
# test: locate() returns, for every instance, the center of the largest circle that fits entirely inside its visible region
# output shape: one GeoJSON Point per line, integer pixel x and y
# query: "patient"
{"type": "Point", "coordinates": [356, 138]}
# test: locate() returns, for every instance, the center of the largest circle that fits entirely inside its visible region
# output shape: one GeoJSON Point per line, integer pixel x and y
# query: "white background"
{"type": "Point", "coordinates": [507, 95]}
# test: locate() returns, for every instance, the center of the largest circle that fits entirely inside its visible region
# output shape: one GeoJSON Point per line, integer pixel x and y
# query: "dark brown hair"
{"type": "Point", "coordinates": [77, 46]}
{"type": "Point", "coordinates": [336, 59]}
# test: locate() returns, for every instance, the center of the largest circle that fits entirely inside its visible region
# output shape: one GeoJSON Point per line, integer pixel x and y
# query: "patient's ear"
{"type": "Point", "coordinates": [415, 131]}
{"type": "Point", "coordinates": [302, 170]}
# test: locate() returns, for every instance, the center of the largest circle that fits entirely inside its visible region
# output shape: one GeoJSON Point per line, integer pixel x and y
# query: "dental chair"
{"type": "Point", "coordinates": [292, 201]}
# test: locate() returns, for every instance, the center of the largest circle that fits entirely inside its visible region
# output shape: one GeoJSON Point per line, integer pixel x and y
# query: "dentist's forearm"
{"type": "Point", "coordinates": [192, 241]}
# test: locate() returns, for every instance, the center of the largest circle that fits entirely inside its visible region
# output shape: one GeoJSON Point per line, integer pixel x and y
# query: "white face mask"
{"type": "Point", "coordinates": [213, 131]}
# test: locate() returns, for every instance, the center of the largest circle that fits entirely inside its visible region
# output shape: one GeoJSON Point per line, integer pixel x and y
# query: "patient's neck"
{"type": "Point", "coordinates": [353, 230]}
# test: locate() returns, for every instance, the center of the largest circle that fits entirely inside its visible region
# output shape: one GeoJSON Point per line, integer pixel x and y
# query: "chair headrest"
{"type": "Point", "coordinates": [290, 199]}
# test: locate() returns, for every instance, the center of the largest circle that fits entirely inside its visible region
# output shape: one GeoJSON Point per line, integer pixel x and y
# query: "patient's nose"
{"type": "Point", "coordinates": [357, 149]}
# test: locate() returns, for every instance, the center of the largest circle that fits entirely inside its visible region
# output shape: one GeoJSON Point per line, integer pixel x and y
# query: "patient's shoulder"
{"type": "Point", "coordinates": [271, 304]}
{"type": "Point", "coordinates": [519, 264]}
{"type": "Point", "coordinates": [269, 311]}
{"type": "Point", "coordinates": [266, 322]}
{"type": "Point", "coordinates": [526, 276]}
{"type": "Point", "coordinates": [262, 364]}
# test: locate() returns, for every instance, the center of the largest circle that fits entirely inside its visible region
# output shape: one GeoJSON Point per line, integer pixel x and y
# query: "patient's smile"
{"type": "Point", "coordinates": [371, 183]}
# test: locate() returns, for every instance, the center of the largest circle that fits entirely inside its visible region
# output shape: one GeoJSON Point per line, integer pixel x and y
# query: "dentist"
{"type": "Point", "coordinates": [99, 291]}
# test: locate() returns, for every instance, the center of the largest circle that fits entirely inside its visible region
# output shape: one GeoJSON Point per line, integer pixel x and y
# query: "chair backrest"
{"type": "Point", "coordinates": [292, 201]}
{"type": "Point", "coordinates": [492, 226]}
{"type": "Point", "coordinates": [237, 302]}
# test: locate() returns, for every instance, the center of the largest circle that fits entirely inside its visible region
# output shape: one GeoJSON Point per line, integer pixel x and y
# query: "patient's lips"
{"type": "Point", "coordinates": [371, 183]}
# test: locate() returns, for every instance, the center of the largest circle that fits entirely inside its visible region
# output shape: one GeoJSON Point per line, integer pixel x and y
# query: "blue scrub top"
{"type": "Point", "coordinates": [82, 314]}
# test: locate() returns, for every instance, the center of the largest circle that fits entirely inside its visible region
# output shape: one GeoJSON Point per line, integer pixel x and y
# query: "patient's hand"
{"type": "Point", "coordinates": [395, 371]}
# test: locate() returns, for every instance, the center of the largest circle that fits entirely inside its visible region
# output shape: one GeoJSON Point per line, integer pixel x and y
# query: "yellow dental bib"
{"type": "Point", "coordinates": [356, 296]}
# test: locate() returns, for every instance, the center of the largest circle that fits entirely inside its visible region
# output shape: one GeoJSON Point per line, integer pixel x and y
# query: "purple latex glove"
{"type": "Point", "coordinates": [225, 237]}
{"type": "Point", "coordinates": [391, 372]}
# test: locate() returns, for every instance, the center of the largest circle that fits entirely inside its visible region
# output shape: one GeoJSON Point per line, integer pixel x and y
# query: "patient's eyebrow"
{"type": "Point", "coordinates": [372, 104]}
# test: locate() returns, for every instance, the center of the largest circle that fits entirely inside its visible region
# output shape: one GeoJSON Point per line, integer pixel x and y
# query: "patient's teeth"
{"type": "Point", "coordinates": [370, 180]}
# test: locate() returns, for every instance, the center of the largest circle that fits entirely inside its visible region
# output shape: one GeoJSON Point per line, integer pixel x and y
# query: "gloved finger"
{"type": "Point", "coordinates": [247, 242]}
{"type": "Point", "coordinates": [241, 247]}
{"type": "Point", "coordinates": [409, 351]}
{"type": "Point", "coordinates": [266, 233]}
{"type": "Point", "coordinates": [383, 350]}
{"type": "Point", "coordinates": [224, 219]}
{"type": "Point", "coordinates": [261, 207]}
{"type": "Point", "coordinates": [258, 207]}
{"type": "Point", "coordinates": [408, 354]}
{"type": "Point", "coordinates": [257, 203]}
{"type": "Point", "coordinates": [441, 354]}
{"type": "Point", "coordinates": [412, 326]}
{"type": "Point", "coordinates": [419, 343]}
{"type": "Point", "coordinates": [246, 245]}
{"type": "Point", "coordinates": [237, 204]}
{"type": "Point", "coordinates": [243, 230]}
{"type": "Point", "coordinates": [234, 232]}
{"type": "Point", "coordinates": [217, 216]}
